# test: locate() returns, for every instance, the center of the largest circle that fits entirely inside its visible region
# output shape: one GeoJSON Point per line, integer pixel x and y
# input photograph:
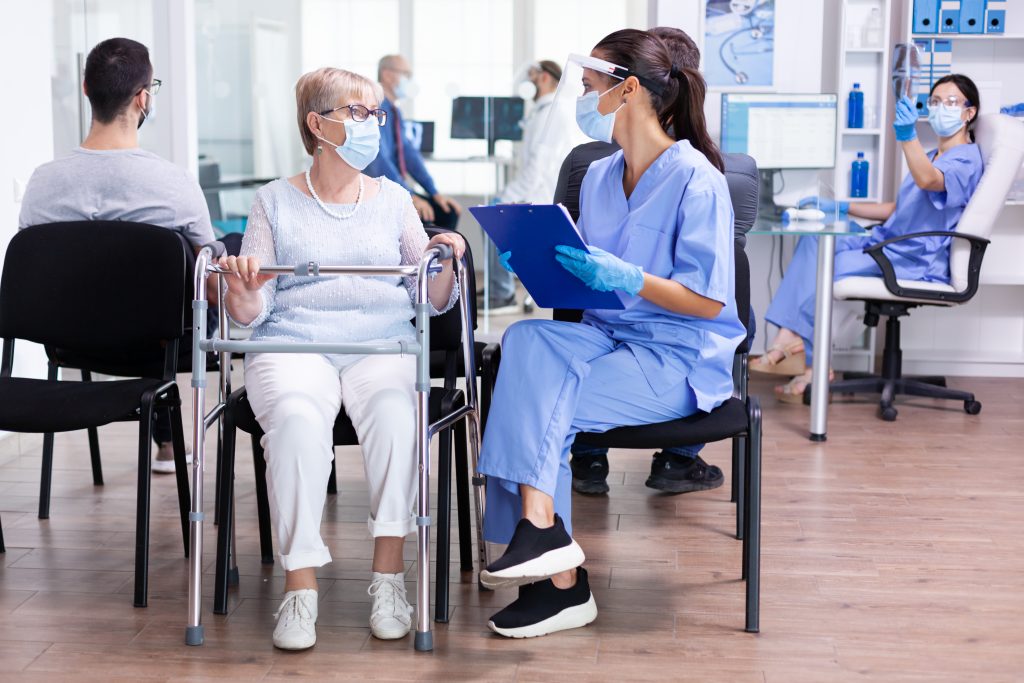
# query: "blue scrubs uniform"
{"type": "Point", "coordinates": [640, 365]}
{"type": "Point", "coordinates": [922, 258]}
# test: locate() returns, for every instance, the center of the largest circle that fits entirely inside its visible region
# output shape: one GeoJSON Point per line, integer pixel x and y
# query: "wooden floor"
{"type": "Point", "coordinates": [894, 552]}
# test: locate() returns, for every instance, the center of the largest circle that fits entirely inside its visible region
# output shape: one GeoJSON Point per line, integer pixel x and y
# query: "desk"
{"type": "Point", "coordinates": [827, 234]}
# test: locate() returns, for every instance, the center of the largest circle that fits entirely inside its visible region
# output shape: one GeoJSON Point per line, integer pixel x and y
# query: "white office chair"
{"type": "Point", "coordinates": [1001, 141]}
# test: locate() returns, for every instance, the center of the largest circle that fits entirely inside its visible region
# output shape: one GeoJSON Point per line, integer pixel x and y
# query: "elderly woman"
{"type": "Point", "coordinates": [333, 214]}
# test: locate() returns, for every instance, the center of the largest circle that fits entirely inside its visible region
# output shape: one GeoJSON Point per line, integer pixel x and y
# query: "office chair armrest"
{"type": "Point", "coordinates": [978, 246]}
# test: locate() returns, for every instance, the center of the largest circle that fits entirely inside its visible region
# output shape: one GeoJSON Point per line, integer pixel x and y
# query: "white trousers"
{"type": "Point", "coordinates": [296, 398]}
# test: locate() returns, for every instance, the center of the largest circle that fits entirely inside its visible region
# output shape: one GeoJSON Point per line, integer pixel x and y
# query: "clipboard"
{"type": "Point", "coordinates": [531, 232]}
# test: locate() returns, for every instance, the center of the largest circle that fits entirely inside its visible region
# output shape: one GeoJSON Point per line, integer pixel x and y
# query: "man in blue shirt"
{"type": "Point", "coordinates": [399, 159]}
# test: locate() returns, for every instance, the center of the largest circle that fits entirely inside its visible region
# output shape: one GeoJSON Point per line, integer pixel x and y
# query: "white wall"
{"type": "Point", "coordinates": [25, 50]}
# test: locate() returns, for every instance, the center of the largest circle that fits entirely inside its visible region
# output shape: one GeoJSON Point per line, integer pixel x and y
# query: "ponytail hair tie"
{"type": "Point", "coordinates": [674, 72]}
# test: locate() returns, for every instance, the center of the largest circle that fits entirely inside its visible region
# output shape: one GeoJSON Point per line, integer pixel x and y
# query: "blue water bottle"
{"type": "Point", "coordinates": [855, 108]}
{"type": "Point", "coordinates": [859, 177]}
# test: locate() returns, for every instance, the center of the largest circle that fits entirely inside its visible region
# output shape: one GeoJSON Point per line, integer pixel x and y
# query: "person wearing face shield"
{"type": "Point", "coordinates": [399, 159]}
{"type": "Point", "coordinates": [110, 178]}
{"type": "Point", "coordinates": [931, 198]}
{"type": "Point", "coordinates": [548, 134]}
{"type": "Point", "coordinates": [658, 222]}
{"type": "Point", "coordinates": [673, 470]}
{"type": "Point", "coordinates": [335, 214]}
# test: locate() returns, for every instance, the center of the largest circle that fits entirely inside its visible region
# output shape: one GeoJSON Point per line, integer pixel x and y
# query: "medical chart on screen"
{"type": "Point", "coordinates": [739, 43]}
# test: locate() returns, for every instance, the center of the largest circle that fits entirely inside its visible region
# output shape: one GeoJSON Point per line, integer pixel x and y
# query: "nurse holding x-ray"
{"type": "Point", "coordinates": [658, 222]}
{"type": "Point", "coordinates": [932, 198]}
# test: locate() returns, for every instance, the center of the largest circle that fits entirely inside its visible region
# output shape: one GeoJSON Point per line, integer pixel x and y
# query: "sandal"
{"type": "Point", "coordinates": [792, 360]}
{"type": "Point", "coordinates": [793, 390]}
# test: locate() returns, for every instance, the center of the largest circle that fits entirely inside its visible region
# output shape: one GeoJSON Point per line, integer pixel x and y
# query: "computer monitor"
{"type": "Point", "coordinates": [421, 133]}
{"type": "Point", "coordinates": [487, 118]}
{"type": "Point", "coordinates": [780, 132]}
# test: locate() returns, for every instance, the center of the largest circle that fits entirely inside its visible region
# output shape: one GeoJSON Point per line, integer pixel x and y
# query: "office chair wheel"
{"type": "Point", "coordinates": [887, 413]}
{"type": "Point", "coordinates": [972, 407]}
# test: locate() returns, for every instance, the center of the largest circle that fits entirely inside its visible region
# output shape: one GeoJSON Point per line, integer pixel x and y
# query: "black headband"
{"type": "Point", "coordinates": [653, 86]}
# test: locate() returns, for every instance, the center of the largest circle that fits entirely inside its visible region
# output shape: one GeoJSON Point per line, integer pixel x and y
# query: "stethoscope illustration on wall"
{"type": "Point", "coordinates": [757, 36]}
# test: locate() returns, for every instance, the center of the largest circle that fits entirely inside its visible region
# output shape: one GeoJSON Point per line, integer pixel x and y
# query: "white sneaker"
{"type": "Point", "coordinates": [391, 616]}
{"type": "Point", "coordinates": [166, 466]}
{"type": "Point", "coordinates": [296, 620]}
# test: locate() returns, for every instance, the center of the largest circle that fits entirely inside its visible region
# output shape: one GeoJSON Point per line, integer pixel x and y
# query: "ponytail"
{"type": "Point", "coordinates": [686, 114]}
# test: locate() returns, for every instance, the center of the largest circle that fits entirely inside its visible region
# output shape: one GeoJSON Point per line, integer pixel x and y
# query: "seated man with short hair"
{"type": "Point", "coordinates": [110, 178]}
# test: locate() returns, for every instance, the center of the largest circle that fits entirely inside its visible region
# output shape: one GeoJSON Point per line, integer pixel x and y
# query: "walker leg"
{"type": "Point", "coordinates": [424, 641]}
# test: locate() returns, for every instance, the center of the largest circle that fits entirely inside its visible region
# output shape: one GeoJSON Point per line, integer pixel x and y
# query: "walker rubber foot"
{"type": "Point", "coordinates": [424, 641]}
{"type": "Point", "coordinates": [194, 635]}
{"type": "Point", "coordinates": [818, 437]}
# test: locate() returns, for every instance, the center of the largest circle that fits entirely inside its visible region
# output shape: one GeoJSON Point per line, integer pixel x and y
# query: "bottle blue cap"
{"type": "Point", "coordinates": [860, 155]}
{"type": "Point", "coordinates": [856, 86]}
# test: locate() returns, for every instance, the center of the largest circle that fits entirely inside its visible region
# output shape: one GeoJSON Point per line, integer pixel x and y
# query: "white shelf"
{"type": "Point", "coordinates": [969, 36]}
{"type": "Point", "coordinates": [1015, 202]}
{"type": "Point", "coordinates": [866, 50]}
{"type": "Point", "coordinates": [862, 131]}
{"type": "Point", "coordinates": [1005, 279]}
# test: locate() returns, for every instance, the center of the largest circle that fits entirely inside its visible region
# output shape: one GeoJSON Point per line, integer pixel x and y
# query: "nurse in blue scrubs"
{"type": "Point", "coordinates": [658, 220]}
{"type": "Point", "coordinates": [932, 197]}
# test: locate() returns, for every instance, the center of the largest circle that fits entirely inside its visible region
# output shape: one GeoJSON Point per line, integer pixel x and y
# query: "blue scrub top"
{"type": "Point", "coordinates": [677, 224]}
{"type": "Point", "coordinates": [917, 210]}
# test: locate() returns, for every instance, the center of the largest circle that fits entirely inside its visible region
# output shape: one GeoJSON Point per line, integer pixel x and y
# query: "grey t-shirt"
{"type": "Point", "coordinates": [117, 185]}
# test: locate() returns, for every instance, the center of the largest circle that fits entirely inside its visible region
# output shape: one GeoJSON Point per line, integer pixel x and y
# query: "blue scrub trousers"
{"type": "Point", "coordinates": [558, 379]}
{"type": "Point", "coordinates": [793, 305]}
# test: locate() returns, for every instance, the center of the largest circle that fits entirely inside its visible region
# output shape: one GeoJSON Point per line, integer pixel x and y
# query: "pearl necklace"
{"type": "Point", "coordinates": [330, 212]}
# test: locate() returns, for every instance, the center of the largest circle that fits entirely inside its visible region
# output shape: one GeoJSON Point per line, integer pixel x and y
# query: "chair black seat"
{"type": "Point", "coordinates": [71, 405]}
{"type": "Point", "coordinates": [437, 361]}
{"type": "Point", "coordinates": [344, 432]}
{"type": "Point", "coordinates": [132, 363]}
{"type": "Point", "coordinates": [723, 422]}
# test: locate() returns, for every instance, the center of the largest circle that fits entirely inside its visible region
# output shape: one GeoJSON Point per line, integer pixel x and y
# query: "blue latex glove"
{"type": "Point", "coordinates": [600, 270]}
{"type": "Point", "coordinates": [504, 258]}
{"type": "Point", "coordinates": [829, 206]}
{"type": "Point", "coordinates": [905, 124]}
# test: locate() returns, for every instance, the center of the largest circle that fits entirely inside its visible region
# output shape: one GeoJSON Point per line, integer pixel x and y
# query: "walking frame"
{"type": "Point", "coordinates": [424, 429]}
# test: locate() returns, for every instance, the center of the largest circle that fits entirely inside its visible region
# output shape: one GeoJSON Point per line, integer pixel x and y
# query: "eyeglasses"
{"type": "Point", "coordinates": [154, 87]}
{"type": "Point", "coordinates": [359, 113]}
{"type": "Point", "coordinates": [951, 101]}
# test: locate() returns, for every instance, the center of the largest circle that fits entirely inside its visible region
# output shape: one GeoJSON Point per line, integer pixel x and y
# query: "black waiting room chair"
{"type": "Point", "coordinates": [98, 288]}
{"type": "Point", "coordinates": [446, 364]}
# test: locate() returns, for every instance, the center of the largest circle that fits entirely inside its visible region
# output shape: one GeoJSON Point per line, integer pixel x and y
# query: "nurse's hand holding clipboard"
{"type": "Point", "coordinates": [600, 270]}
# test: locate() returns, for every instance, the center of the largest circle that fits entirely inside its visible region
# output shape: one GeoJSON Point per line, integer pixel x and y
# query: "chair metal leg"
{"type": "Point", "coordinates": [226, 498]}
{"type": "Point", "coordinates": [180, 468]}
{"type": "Point", "coordinates": [739, 447]}
{"type": "Point", "coordinates": [94, 444]}
{"type": "Point", "coordinates": [142, 500]}
{"type": "Point", "coordinates": [752, 537]}
{"type": "Point", "coordinates": [3, 548]}
{"type": "Point", "coordinates": [462, 492]}
{"type": "Point", "coordinates": [262, 502]}
{"type": "Point", "coordinates": [46, 475]}
{"type": "Point", "coordinates": [332, 481]}
{"type": "Point", "coordinates": [444, 513]}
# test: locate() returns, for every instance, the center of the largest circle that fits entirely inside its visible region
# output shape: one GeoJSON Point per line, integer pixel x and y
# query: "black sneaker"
{"type": "Point", "coordinates": [678, 474]}
{"type": "Point", "coordinates": [542, 608]}
{"type": "Point", "coordinates": [590, 474]}
{"type": "Point", "coordinates": [532, 555]}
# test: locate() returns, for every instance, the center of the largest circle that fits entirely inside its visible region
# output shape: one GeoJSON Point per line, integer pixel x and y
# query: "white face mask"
{"type": "Point", "coordinates": [149, 112]}
{"type": "Point", "coordinates": [406, 88]}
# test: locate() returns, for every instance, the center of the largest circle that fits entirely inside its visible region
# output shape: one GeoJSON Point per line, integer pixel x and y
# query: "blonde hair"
{"type": "Point", "coordinates": [327, 88]}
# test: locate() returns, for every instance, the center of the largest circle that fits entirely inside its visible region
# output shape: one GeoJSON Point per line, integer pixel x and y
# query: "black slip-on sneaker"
{"type": "Point", "coordinates": [533, 554]}
{"type": "Point", "coordinates": [542, 608]}
{"type": "Point", "coordinates": [589, 474]}
{"type": "Point", "coordinates": [678, 474]}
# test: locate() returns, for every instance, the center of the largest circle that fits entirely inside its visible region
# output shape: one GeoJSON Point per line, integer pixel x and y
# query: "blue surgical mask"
{"type": "Point", "coordinates": [593, 123]}
{"type": "Point", "coordinates": [405, 89]}
{"type": "Point", "coordinates": [149, 111]}
{"type": "Point", "coordinates": [362, 142]}
{"type": "Point", "coordinates": [945, 121]}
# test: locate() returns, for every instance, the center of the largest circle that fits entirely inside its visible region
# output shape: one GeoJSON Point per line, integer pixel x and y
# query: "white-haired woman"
{"type": "Point", "coordinates": [333, 214]}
